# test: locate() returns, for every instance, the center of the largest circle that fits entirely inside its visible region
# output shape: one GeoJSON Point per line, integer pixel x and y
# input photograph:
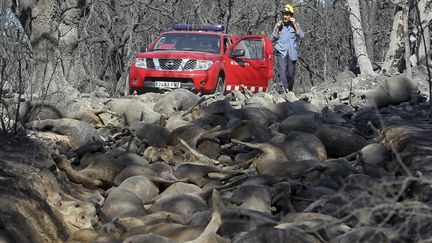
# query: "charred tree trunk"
{"type": "Point", "coordinates": [53, 30]}
{"type": "Point", "coordinates": [358, 38]}
{"type": "Point", "coordinates": [54, 39]}
{"type": "Point", "coordinates": [368, 12]}
{"type": "Point", "coordinates": [396, 48]}
{"type": "Point", "coordinates": [425, 12]}
{"type": "Point", "coordinates": [406, 11]}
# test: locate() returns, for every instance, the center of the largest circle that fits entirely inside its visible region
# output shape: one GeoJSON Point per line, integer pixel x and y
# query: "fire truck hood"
{"type": "Point", "coordinates": [179, 55]}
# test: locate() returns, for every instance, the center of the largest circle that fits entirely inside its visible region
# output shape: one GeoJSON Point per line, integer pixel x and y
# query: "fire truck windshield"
{"type": "Point", "coordinates": [189, 42]}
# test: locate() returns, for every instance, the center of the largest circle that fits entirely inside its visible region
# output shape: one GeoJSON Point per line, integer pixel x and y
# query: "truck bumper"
{"type": "Point", "coordinates": [147, 79]}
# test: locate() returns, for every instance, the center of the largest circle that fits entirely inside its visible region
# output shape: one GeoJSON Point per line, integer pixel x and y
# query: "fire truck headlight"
{"type": "Point", "coordinates": [203, 64]}
{"type": "Point", "coordinates": [140, 63]}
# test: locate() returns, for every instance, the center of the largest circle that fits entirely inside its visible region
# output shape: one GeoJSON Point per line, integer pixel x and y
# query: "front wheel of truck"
{"type": "Point", "coordinates": [220, 86]}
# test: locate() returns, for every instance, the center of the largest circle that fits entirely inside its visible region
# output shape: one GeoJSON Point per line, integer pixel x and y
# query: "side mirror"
{"type": "Point", "coordinates": [143, 49]}
{"type": "Point", "coordinates": [237, 53]}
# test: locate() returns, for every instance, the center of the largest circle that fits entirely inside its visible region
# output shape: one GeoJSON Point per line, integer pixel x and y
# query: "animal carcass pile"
{"type": "Point", "coordinates": [243, 167]}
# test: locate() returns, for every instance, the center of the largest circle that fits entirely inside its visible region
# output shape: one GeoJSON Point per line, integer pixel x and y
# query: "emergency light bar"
{"type": "Point", "coordinates": [206, 27]}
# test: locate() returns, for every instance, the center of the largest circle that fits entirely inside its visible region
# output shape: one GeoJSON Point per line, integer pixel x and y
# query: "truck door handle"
{"type": "Point", "coordinates": [262, 66]}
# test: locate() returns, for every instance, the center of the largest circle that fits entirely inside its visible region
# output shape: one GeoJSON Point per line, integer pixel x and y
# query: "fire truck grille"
{"type": "Point", "coordinates": [170, 64]}
{"type": "Point", "coordinates": [150, 63]}
{"type": "Point", "coordinates": [190, 65]}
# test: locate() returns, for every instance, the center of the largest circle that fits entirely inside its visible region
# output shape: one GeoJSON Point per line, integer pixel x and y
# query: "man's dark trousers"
{"type": "Point", "coordinates": [286, 73]}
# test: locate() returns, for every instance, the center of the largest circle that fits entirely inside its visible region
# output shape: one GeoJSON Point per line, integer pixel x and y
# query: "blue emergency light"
{"type": "Point", "coordinates": [205, 27]}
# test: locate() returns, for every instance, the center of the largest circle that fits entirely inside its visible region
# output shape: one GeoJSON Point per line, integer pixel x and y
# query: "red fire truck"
{"type": "Point", "coordinates": [203, 59]}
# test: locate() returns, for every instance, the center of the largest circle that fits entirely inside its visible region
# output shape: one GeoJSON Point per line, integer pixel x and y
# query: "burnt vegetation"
{"type": "Point", "coordinates": [346, 158]}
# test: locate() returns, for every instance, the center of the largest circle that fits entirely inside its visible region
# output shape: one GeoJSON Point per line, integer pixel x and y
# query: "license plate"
{"type": "Point", "coordinates": [160, 84]}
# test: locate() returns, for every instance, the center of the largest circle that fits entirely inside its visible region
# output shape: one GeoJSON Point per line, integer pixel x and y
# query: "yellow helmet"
{"type": "Point", "coordinates": [288, 8]}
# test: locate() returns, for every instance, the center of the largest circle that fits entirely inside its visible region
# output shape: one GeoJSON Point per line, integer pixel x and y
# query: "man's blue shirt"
{"type": "Point", "coordinates": [286, 44]}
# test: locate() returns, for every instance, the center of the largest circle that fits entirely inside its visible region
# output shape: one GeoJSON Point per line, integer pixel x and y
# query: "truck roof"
{"type": "Point", "coordinates": [198, 29]}
{"type": "Point", "coordinates": [195, 32]}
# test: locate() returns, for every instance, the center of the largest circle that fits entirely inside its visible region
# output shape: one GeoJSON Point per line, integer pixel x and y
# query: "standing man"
{"type": "Point", "coordinates": [286, 33]}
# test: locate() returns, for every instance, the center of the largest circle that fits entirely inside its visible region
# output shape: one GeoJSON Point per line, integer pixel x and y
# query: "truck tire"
{"type": "Point", "coordinates": [220, 86]}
